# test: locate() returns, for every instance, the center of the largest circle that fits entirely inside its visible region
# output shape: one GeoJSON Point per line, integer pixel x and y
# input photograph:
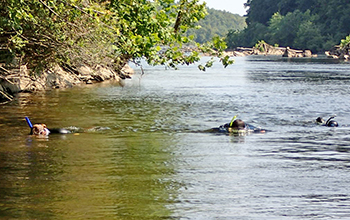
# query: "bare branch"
{"type": "Point", "coordinates": [57, 14]}
{"type": "Point", "coordinates": [5, 70]}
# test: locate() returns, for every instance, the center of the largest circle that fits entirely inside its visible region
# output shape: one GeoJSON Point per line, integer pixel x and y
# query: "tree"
{"type": "Point", "coordinates": [41, 33]}
{"type": "Point", "coordinates": [297, 29]}
{"type": "Point", "coordinates": [313, 24]}
{"type": "Point", "coordinates": [257, 15]}
{"type": "Point", "coordinates": [345, 43]}
{"type": "Point", "coordinates": [283, 29]}
{"type": "Point", "coordinates": [248, 37]}
{"type": "Point", "coordinates": [216, 23]}
{"type": "Point", "coordinates": [309, 37]}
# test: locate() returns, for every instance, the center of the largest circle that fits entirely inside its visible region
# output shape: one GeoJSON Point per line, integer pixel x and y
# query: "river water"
{"type": "Point", "coordinates": [142, 151]}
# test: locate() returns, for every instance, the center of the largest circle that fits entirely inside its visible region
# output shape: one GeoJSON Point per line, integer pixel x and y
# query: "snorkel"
{"type": "Point", "coordinates": [37, 129]}
{"type": "Point", "coordinates": [233, 119]}
{"type": "Point", "coordinates": [330, 118]}
{"type": "Point", "coordinates": [29, 122]}
{"type": "Point", "coordinates": [331, 123]}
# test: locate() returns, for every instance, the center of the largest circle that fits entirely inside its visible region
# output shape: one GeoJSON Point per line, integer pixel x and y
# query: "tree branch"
{"type": "Point", "coordinates": [57, 14]}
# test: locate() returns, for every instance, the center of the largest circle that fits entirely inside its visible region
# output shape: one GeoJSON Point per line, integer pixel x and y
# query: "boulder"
{"type": "Point", "coordinates": [21, 80]}
{"type": "Point", "coordinates": [338, 52]}
{"type": "Point", "coordinates": [263, 48]}
{"type": "Point", "coordinates": [307, 53]}
{"type": "Point", "coordinates": [297, 53]}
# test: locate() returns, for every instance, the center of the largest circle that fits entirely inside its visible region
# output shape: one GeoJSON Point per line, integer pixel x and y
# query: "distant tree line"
{"type": "Point", "coordinates": [305, 24]}
{"type": "Point", "coordinates": [217, 23]}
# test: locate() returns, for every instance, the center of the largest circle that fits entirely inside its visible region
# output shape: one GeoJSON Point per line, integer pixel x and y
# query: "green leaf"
{"type": "Point", "coordinates": [201, 67]}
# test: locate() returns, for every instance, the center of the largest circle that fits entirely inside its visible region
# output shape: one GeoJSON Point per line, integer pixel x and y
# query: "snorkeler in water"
{"type": "Point", "coordinates": [329, 123]}
{"type": "Point", "coordinates": [42, 130]}
{"type": "Point", "coordinates": [238, 126]}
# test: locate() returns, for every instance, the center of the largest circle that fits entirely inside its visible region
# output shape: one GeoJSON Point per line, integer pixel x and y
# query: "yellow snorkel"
{"type": "Point", "coordinates": [233, 119]}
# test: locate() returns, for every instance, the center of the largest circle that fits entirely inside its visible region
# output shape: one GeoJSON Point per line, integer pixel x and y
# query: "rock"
{"type": "Point", "coordinates": [127, 70]}
{"type": "Point", "coordinates": [238, 54]}
{"type": "Point", "coordinates": [297, 53]}
{"type": "Point", "coordinates": [287, 53]}
{"type": "Point", "coordinates": [59, 78]}
{"type": "Point", "coordinates": [327, 53]}
{"type": "Point", "coordinates": [344, 57]}
{"type": "Point", "coordinates": [243, 51]}
{"type": "Point", "coordinates": [102, 74]}
{"type": "Point", "coordinates": [266, 49]}
{"type": "Point", "coordinates": [228, 53]}
{"type": "Point", "coordinates": [307, 53]}
{"type": "Point", "coordinates": [20, 80]}
{"type": "Point", "coordinates": [84, 70]}
{"type": "Point", "coordinates": [338, 52]}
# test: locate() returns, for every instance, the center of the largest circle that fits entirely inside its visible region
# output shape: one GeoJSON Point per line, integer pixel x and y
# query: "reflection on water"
{"type": "Point", "coordinates": [87, 176]}
{"type": "Point", "coordinates": [121, 172]}
{"type": "Point", "coordinates": [156, 162]}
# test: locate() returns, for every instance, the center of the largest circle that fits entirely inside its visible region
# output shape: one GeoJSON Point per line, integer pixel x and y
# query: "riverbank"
{"type": "Point", "coordinates": [339, 52]}
{"type": "Point", "coordinates": [22, 80]}
{"type": "Point", "coordinates": [266, 49]}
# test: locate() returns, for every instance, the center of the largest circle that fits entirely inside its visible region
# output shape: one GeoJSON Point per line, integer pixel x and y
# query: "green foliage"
{"type": "Point", "coordinates": [344, 43]}
{"type": "Point", "coordinates": [248, 37]}
{"type": "Point", "coordinates": [313, 24]}
{"type": "Point", "coordinates": [284, 29]}
{"type": "Point", "coordinates": [260, 45]}
{"type": "Point", "coordinates": [72, 32]}
{"type": "Point", "coordinates": [216, 23]}
{"type": "Point", "coordinates": [41, 33]}
{"type": "Point", "coordinates": [261, 11]}
{"type": "Point", "coordinates": [309, 36]}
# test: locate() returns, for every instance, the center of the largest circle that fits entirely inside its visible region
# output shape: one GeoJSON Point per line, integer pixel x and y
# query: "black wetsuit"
{"type": "Point", "coordinates": [248, 128]}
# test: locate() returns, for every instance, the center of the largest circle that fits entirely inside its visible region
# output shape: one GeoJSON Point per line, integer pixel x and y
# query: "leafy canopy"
{"type": "Point", "coordinates": [72, 32]}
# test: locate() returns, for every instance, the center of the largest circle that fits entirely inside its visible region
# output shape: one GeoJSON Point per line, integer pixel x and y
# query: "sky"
{"type": "Point", "coordinates": [233, 6]}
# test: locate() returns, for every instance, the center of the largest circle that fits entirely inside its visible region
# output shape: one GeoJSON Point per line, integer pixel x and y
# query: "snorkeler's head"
{"type": "Point", "coordinates": [332, 123]}
{"type": "Point", "coordinates": [329, 123]}
{"type": "Point", "coordinates": [238, 124]}
{"type": "Point", "coordinates": [40, 129]}
{"type": "Point", "coordinates": [320, 120]}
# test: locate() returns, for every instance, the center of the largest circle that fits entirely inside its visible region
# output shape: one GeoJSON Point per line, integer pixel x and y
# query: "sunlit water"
{"type": "Point", "coordinates": [144, 152]}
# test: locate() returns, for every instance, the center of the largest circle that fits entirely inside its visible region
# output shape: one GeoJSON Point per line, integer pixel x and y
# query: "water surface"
{"type": "Point", "coordinates": [144, 152]}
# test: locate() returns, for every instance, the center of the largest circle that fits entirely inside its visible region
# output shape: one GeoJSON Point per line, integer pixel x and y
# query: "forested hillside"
{"type": "Point", "coordinates": [306, 24]}
{"type": "Point", "coordinates": [217, 23]}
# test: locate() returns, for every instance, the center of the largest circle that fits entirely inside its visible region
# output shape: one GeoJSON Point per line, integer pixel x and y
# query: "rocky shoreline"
{"type": "Point", "coordinates": [21, 80]}
{"type": "Point", "coordinates": [339, 53]}
{"type": "Point", "coordinates": [266, 49]}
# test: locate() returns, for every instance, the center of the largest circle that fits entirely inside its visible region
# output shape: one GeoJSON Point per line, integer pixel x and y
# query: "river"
{"type": "Point", "coordinates": [142, 151]}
